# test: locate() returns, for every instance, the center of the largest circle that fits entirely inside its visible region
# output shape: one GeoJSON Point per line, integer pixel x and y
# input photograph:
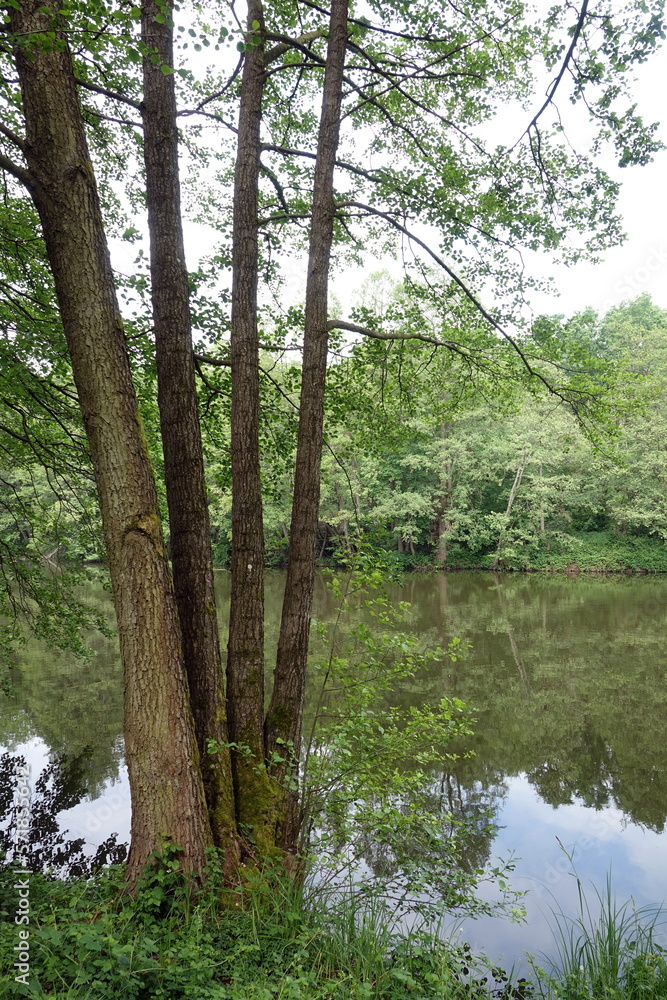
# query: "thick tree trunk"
{"type": "Point", "coordinates": [161, 752]}
{"type": "Point", "coordinates": [285, 715]}
{"type": "Point", "coordinates": [245, 655]}
{"type": "Point", "coordinates": [190, 531]}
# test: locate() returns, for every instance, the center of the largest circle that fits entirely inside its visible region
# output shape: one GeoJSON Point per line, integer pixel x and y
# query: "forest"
{"type": "Point", "coordinates": [164, 414]}
{"type": "Point", "coordinates": [514, 483]}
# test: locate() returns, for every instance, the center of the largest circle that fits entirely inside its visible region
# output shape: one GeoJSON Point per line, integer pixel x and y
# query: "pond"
{"type": "Point", "coordinates": [567, 676]}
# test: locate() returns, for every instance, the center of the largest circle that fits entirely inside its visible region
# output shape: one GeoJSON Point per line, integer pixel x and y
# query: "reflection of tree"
{"type": "Point", "coordinates": [466, 820]}
{"type": "Point", "coordinates": [589, 775]}
{"type": "Point", "coordinates": [70, 704]}
{"type": "Point", "coordinates": [60, 786]}
{"type": "Point", "coordinates": [569, 679]}
{"type": "Point", "coordinates": [568, 676]}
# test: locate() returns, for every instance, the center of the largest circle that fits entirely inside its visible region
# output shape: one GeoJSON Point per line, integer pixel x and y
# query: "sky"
{"type": "Point", "coordinates": [638, 265]}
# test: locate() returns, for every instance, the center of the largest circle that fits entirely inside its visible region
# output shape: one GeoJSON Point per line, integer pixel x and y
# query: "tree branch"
{"type": "Point", "coordinates": [13, 137]}
{"type": "Point", "coordinates": [286, 43]}
{"type": "Point", "coordinates": [217, 362]}
{"type": "Point", "coordinates": [553, 87]}
{"type": "Point", "coordinates": [223, 90]}
{"type": "Point", "coordinates": [339, 324]}
{"type": "Point", "coordinates": [464, 288]}
{"type": "Point", "coordinates": [20, 173]}
{"type": "Point", "coordinates": [95, 89]}
{"type": "Point", "coordinates": [276, 184]}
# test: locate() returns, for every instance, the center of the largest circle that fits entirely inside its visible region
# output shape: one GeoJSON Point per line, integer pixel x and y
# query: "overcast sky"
{"type": "Point", "coordinates": [639, 265]}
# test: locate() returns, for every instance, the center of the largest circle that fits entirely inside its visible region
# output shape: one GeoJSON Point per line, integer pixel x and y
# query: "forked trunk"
{"type": "Point", "coordinates": [190, 532]}
{"type": "Point", "coordinates": [161, 752]}
{"type": "Point", "coordinates": [285, 715]}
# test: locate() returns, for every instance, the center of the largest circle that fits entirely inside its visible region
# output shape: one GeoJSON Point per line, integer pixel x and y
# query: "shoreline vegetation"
{"type": "Point", "coordinates": [271, 939]}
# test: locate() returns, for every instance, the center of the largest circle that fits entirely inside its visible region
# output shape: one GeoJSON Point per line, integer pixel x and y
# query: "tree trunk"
{"type": "Point", "coordinates": [245, 656]}
{"type": "Point", "coordinates": [160, 747]}
{"type": "Point", "coordinates": [190, 531]}
{"type": "Point", "coordinates": [443, 523]}
{"type": "Point", "coordinates": [510, 503]}
{"type": "Point", "coordinates": [443, 527]}
{"type": "Point", "coordinates": [284, 718]}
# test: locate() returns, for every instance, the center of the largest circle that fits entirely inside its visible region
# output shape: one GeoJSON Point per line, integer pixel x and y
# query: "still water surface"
{"type": "Point", "coordinates": [568, 680]}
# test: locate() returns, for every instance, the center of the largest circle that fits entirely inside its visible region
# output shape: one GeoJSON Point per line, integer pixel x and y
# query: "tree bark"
{"type": "Point", "coordinates": [285, 715]}
{"type": "Point", "coordinates": [245, 654]}
{"type": "Point", "coordinates": [160, 748]}
{"type": "Point", "coordinates": [190, 530]}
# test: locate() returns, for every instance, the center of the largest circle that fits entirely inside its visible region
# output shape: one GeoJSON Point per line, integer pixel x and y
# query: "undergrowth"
{"type": "Point", "coordinates": [265, 941]}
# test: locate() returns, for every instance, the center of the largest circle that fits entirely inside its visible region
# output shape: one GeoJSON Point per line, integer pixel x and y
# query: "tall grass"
{"type": "Point", "coordinates": [606, 951]}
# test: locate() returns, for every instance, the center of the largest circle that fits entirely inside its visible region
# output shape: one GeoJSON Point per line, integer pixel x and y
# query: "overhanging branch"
{"type": "Point", "coordinates": [20, 173]}
{"type": "Point", "coordinates": [464, 288]}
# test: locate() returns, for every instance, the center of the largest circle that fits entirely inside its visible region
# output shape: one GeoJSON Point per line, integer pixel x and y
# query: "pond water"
{"type": "Point", "coordinates": [568, 679]}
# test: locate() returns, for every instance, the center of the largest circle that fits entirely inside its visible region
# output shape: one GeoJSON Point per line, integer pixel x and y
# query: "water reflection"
{"type": "Point", "coordinates": [568, 680]}
{"type": "Point", "coordinates": [45, 846]}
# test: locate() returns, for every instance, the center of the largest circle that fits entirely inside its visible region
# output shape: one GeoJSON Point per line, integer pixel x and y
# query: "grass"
{"type": "Point", "coordinates": [267, 940]}
{"type": "Point", "coordinates": [606, 951]}
{"type": "Point", "coordinates": [264, 941]}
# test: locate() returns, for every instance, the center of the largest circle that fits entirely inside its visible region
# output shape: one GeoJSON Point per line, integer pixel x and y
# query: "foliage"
{"type": "Point", "coordinates": [376, 819]}
{"type": "Point", "coordinates": [259, 942]}
{"type": "Point", "coordinates": [478, 481]}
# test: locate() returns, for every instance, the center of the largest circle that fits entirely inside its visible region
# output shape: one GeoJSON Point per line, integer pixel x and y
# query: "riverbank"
{"type": "Point", "coordinates": [586, 552]}
{"type": "Point", "coordinates": [267, 941]}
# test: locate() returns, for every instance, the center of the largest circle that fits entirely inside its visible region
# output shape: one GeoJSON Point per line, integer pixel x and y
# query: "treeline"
{"type": "Point", "coordinates": [432, 462]}
{"type": "Point", "coordinates": [511, 481]}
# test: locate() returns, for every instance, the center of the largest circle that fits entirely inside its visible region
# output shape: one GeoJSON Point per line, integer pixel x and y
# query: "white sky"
{"type": "Point", "coordinates": [640, 263]}
{"type": "Point", "coordinates": [637, 266]}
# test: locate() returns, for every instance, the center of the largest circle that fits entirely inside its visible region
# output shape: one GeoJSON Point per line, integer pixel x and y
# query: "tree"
{"type": "Point", "coordinates": [167, 793]}
{"type": "Point", "coordinates": [285, 715]}
{"type": "Point", "coordinates": [189, 525]}
{"type": "Point", "coordinates": [421, 82]}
